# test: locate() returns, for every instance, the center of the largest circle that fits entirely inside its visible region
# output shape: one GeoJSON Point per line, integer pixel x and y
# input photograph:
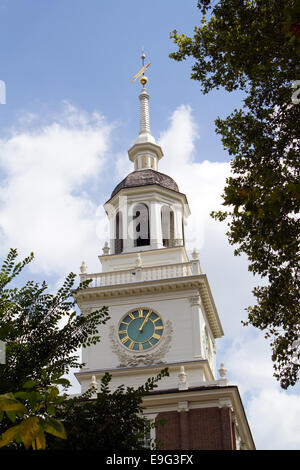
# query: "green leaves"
{"type": "Point", "coordinates": [110, 421]}
{"type": "Point", "coordinates": [31, 432]}
{"type": "Point", "coordinates": [35, 407]}
{"type": "Point", "coordinates": [41, 331]}
{"type": "Point", "coordinates": [54, 427]}
{"type": "Point", "coordinates": [9, 403]}
{"type": "Point", "coordinates": [254, 46]}
{"type": "Point", "coordinates": [42, 334]}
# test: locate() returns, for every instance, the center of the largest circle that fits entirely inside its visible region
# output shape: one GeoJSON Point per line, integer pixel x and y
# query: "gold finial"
{"type": "Point", "coordinates": [143, 80]}
{"type": "Point", "coordinates": [141, 73]}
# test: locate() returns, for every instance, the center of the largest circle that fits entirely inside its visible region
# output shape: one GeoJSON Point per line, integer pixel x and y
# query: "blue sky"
{"type": "Point", "coordinates": [86, 53]}
{"type": "Point", "coordinates": [70, 116]}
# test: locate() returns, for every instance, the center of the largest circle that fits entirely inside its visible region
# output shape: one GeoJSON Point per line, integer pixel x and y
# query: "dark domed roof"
{"type": "Point", "coordinates": [144, 178]}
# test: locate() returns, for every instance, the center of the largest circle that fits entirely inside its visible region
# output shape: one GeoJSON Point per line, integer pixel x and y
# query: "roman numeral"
{"type": "Point", "coordinates": [156, 336]}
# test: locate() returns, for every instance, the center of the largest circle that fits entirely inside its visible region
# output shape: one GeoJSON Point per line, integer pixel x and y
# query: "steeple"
{"type": "Point", "coordinates": [145, 153]}
{"type": "Point", "coordinates": [146, 210]}
{"type": "Point", "coordinates": [145, 133]}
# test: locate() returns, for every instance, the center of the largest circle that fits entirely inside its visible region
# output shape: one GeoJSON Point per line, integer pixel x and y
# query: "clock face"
{"type": "Point", "coordinates": [140, 329]}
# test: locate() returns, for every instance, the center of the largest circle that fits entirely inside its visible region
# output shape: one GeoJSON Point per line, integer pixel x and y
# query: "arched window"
{"type": "Point", "coordinates": [119, 235]}
{"type": "Point", "coordinates": [141, 229]}
{"type": "Point", "coordinates": [167, 226]}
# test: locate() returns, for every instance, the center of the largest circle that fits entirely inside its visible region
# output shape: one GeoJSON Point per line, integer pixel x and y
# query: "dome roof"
{"type": "Point", "coordinates": [144, 178]}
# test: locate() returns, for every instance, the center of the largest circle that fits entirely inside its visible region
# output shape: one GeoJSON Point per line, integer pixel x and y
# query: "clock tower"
{"type": "Point", "coordinates": [162, 312]}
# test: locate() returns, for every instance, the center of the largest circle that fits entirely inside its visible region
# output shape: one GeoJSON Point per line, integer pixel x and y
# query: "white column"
{"type": "Point", "coordinates": [155, 225]}
{"type": "Point", "coordinates": [128, 242]}
{"type": "Point", "coordinates": [195, 302]}
{"type": "Point", "coordinates": [112, 229]}
{"type": "Point", "coordinates": [178, 235]}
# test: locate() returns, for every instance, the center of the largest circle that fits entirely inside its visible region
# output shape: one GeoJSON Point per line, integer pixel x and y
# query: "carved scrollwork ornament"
{"type": "Point", "coordinates": [131, 359]}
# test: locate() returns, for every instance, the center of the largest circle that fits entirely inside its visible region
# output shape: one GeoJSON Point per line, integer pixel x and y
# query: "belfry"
{"type": "Point", "coordinates": [162, 312]}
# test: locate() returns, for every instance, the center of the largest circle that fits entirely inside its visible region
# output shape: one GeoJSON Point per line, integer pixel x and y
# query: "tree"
{"type": "Point", "coordinates": [32, 412]}
{"type": "Point", "coordinates": [42, 333]}
{"type": "Point", "coordinates": [37, 345]}
{"type": "Point", "coordinates": [254, 46]}
{"type": "Point", "coordinates": [107, 421]}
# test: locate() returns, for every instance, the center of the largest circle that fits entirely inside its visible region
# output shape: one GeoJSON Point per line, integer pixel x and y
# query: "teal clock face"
{"type": "Point", "coordinates": [140, 329]}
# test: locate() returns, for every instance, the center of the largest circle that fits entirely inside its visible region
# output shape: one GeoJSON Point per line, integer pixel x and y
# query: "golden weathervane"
{"type": "Point", "coordinates": [141, 72]}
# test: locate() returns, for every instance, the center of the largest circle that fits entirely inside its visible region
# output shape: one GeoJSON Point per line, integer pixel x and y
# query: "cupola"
{"type": "Point", "coordinates": [146, 209]}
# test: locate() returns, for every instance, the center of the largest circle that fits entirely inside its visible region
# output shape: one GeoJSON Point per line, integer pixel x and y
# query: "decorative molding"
{"type": "Point", "coordinates": [87, 310]}
{"type": "Point", "coordinates": [132, 359]}
{"type": "Point", "coordinates": [225, 403]}
{"type": "Point", "coordinates": [182, 384]}
{"type": "Point", "coordinates": [195, 300]}
{"type": "Point", "coordinates": [183, 406]}
{"type": "Point", "coordinates": [234, 419]}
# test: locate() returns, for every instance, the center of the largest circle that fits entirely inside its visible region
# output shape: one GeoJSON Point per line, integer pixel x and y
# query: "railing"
{"type": "Point", "coordinates": [141, 274]}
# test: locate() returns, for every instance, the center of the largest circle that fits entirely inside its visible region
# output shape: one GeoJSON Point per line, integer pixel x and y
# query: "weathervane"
{"type": "Point", "coordinates": [141, 72]}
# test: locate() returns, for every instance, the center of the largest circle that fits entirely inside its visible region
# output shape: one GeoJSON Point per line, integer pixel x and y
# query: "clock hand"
{"type": "Point", "coordinates": [145, 321]}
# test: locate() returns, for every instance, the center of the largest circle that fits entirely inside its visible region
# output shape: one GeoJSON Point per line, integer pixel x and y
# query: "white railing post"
{"type": "Point", "coordinates": [138, 274]}
{"type": "Point", "coordinates": [195, 267]}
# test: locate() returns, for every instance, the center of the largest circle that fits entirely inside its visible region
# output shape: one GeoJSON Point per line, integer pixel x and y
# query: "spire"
{"type": "Point", "coordinates": [145, 133]}
{"type": "Point", "coordinates": [145, 153]}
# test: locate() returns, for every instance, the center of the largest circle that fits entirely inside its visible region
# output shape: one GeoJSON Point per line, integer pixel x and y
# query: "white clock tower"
{"type": "Point", "coordinates": [162, 313]}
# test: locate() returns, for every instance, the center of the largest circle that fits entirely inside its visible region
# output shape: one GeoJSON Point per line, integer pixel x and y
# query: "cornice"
{"type": "Point", "coordinates": [198, 282]}
{"type": "Point", "coordinates": [139, 147]}
{"type": "Point", "coordinates": [149, 369]}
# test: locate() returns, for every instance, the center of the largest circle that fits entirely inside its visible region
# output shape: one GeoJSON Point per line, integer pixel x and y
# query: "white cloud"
{"type": "Point", "coordinates": [272, 412]}
{"type": "Point", "coordinates": [178, 141]}
{"type": "Point", "coordinates": [44, 202]}
{"type": "Point", "coordinates": [123, 167]}
{"type": "Point", "coordinates": [248, 361]}
{"type": "Point", "coordinates": [274, 419]}
{"type": "Point", "coordinates": [202, 182]}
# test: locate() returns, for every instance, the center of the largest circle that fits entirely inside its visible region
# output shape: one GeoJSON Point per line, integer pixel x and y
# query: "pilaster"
{"type": "Point", "coordinates": [155, 225]}
{"type": "Point", "coordinates": [195, 302]}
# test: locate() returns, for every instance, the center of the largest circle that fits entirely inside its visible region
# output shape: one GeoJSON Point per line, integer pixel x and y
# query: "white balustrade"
{"type": "Point", "coordinates": [141, 274]}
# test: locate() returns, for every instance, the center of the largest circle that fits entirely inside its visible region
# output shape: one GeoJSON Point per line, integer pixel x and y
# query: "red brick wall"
{"type": "Point", "coordinates": [202, 428]}
{"type": "Point", "coordinates": [168, 436]}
